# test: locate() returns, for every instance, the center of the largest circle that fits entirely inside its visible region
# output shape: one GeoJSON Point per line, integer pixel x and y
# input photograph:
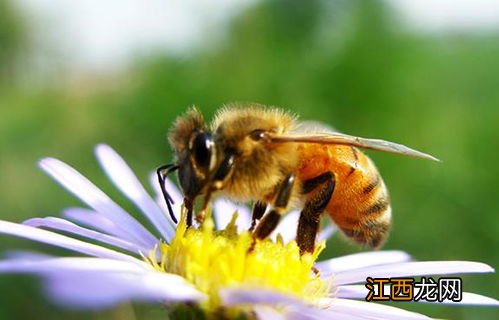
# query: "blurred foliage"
{"type": "Point", "coordinates": [13, 38]}
{"type": "Point", "coordinates": [348, 64]}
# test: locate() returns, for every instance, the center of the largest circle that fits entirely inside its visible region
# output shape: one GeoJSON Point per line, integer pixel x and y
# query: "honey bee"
{"type": "Point", "coordinates": [266, 156]}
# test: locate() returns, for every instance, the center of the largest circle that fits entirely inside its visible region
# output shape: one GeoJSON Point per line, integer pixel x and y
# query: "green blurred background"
{"type": "Point", "coordinates": [352, 64]}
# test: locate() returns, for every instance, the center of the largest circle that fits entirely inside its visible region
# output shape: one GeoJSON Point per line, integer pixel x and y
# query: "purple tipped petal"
{"type": "Point", "coordinates": [82, 188]}
{"type": "Point", "coordinates": [469, 298]}
{"type": "Point", "coordinates": [360, 292]}
{"type": "Point", "coordinates": [369, 310]}
{"type": "Point", "coordinates": [102, 290]}
{"type": "Point", "coordinates": [58, 240]}
{"type": "Point", "coordinates": [174, 194]}
{"type": "Point", "coordinates": [64, 225]}
{"type": "Point", "coordinates": [410, 269]}
{"type": "Point", "coordinates": [125, 180]}
{"type": "Point", "coordinates": [56, 265]}
{"type": "Point", "coordinates": [223, 210]}
{"type": "Point", "coordinates": [25, 255]}
{"type": "Point", "coordinates": [94, 220]}
{"type": "Point", "coordinates": [361, 260]}
{"type": "Point", "coordinates": [98, 283]}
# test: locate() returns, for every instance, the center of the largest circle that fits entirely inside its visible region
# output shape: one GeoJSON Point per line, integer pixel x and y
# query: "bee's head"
{"type": "Point", "coordinates": [195, 153]}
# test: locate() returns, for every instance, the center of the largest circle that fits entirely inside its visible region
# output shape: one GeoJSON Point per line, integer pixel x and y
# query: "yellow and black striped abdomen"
{"type": "Point", "coordinates": [360, 205]}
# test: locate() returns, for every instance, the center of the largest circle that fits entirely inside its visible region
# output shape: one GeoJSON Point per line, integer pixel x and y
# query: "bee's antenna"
{"type": "Point", "coordinates": [163, 172]}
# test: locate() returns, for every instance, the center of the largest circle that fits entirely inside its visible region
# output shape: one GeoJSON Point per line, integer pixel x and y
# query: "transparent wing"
{"type": "Point", "coordinates": [344, 139]}
{"type": "Point", "coordinates": [312, 127]}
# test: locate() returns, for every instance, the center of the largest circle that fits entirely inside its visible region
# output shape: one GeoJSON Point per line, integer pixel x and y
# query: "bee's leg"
{"type": "Point", "coordinates": [258, 210]}
{"type": "Point", "coordinates": [308, 224]}
{"type": "Point", "coordinates": [217, 183]}
{"type": "Point", "coordinates": [271, 219]}
{"type": "Point", "coordinates": [189, 206]}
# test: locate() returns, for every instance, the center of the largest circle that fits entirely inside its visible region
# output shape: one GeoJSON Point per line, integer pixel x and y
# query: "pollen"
{"type": "Point", "coordinates": [215, 259]}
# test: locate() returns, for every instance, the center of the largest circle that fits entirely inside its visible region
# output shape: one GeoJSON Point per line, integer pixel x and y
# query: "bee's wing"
{"type": "Point", "coordinates": [312, 127]}
{"type": "Point", "coordinates": [343, 139]}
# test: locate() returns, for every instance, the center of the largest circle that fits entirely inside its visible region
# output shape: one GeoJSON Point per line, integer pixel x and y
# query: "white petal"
{"type": "Point", "coordinates": [268, 313]}
{"type": "Point", "coordinates": [292, 307]}
{"type": "Point", "coordinates": [302, 312]}
{"type": "Point", "coordinates": [125, 180]}
{"type": "Point", "coordinates": [173, 191]}
{"type": "Point", "coordinates": [64, 225]}
{"type": "Point", "coordinates": [326, 232]}
{"type": "Point", "coordinates": [94, 220]}
{"type": "Point", "coordinates": [58, 240]}
{"type": "Point", "coordinates": [245, 296]}
{"type": "Point", "coordinates": [361, 260]}
{"type": "Point", "coordinates": [410, 269]}
{"type": "Point", "coordinates": [355, 291]}
{"type": "Point", "coordinates": [287, 226]}
{"type": "Point", "coordinates": [370, 310]}
{"type": "Point", "coordinates": [174, 194]}
{"type": "Point", "coordinates": [243, 218]}
{"type": "Point", "coordinates": [82, 188]}
{"type": "Point", "coordinates": [223, 209]}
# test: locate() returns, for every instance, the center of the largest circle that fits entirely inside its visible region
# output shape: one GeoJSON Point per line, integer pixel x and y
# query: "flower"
{"type": "Point", "coordinates": [208, 266]}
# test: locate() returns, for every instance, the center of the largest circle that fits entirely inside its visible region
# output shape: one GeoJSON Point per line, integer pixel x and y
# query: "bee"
{"type": "Point", "coordinates": [264, 155]}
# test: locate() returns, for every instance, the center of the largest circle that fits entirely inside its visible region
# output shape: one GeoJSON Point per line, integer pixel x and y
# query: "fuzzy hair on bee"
{"type": "Point", "coordinates": [259, 166]}
{"type": "Point", "coordinates": [183, 128]}
{"type": "Point", "coordinates": [250, 152]}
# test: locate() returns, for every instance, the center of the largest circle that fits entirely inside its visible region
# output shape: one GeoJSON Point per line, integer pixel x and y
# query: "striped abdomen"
{"type": "Point", "coordinates": [360, 205]}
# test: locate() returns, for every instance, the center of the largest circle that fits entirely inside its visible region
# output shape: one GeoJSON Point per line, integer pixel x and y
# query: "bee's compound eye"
{"type": "Point", "coordinates": [202, 150]}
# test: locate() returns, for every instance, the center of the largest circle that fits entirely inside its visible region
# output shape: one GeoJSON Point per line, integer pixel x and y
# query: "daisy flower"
{"type": "Point", "coordinates": [209, 266]}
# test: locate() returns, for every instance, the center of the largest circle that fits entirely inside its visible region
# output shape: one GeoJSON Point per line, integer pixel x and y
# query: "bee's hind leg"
{"type": "Point", "coordinates": [308, 224]}
{"type": "Point", "coordinates": [271, 219]}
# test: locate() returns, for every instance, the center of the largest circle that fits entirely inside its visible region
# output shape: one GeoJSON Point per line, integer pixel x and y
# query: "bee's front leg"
{"type": "Point", "coordinates": [217, 183]}
{"type": "Point", "coordinates": [259, 209]}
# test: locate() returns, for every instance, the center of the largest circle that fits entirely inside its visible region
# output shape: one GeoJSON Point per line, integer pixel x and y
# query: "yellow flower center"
{"type": "Point", "coordinates": [213, 260]}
